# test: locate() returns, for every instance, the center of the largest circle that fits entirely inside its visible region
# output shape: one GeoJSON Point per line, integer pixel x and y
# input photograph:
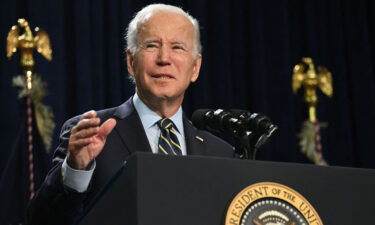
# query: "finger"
{"type": "Point", "coordinates": [85, 124]}
{"type": "Point", "coordinates": [88, 115]}
{"type": "Point", "coordinates": [85, 133]}
{"type": "Point", "coordinates": [107, 127]}
{"type": "Point", "coordinates": [79, 144]}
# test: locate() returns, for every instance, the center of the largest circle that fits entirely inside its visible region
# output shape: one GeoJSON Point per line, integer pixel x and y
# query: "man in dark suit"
{"type": "Point", "coordinates": [163, 58]}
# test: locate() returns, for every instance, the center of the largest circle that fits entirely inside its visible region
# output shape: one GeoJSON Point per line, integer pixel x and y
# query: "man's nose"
{"type": "Point", "coordinates": [163, 58]}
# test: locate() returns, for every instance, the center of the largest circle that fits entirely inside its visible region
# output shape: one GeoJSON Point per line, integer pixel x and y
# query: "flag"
{"type": "Point", "coordinates": [310, 141]}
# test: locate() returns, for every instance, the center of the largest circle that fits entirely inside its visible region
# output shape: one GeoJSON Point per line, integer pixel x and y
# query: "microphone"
{"type": "Point", "coordinates": [234, 122]}
{"type": "Point", "coordinates": [255, 122]}
{"type": "Point", "coordinates": [251, 130]}
{"type": "Point", "coordinates": [217, 120]}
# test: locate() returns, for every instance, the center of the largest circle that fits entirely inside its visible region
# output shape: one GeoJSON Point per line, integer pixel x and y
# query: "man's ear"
{"type": "Point", "coordinates": [197, 67]}
{"type": "Point", "coordinates": [130, 62]}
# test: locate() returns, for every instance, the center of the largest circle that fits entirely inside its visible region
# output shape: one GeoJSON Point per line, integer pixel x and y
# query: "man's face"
{"type": "Point", "coordinates": [165, 63]}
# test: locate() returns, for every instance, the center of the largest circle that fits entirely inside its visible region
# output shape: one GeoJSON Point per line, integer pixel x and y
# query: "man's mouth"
{"type": "Point", "coordinates": [162, 76]}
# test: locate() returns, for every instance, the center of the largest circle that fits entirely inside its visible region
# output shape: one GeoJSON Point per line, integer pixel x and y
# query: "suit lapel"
{"type": "Point", "coordinates": [129, 128]}
{"type": "Point", "coordinates": [194, 143]}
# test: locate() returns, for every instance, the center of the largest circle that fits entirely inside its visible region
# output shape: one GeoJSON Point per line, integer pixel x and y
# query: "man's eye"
{"type": "Point", "coordinates": [151, 46]}
{"type": "Point", "coordinates": [178, 47]}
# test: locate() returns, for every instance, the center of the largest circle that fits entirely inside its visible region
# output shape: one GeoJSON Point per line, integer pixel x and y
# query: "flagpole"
{"type": "Point", "coordinates": [30, 146]}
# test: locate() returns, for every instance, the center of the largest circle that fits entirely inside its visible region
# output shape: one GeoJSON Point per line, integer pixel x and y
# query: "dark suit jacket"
{"type": "Point", "coordinates": [57, 204]}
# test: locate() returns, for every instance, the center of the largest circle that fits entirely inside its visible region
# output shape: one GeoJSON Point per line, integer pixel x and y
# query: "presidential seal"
{"type": "Point", "coordinates": [270, 203]}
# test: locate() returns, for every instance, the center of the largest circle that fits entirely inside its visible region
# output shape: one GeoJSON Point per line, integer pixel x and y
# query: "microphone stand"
{"type": "Point", "coordinates": [243, 145]}
{"type": "Point", "coordinates": [253, 131]}
{"type": "Point", "coordinates": [247, 143]}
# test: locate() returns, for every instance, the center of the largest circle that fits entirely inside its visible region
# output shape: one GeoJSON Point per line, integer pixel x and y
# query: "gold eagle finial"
{"type": "Point", "coordinates": [26, 42]}
{"type": "Point", "coordinates": [304, 74]}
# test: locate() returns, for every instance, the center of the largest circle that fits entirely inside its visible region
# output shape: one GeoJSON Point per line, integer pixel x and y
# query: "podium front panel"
{"type": "Point", "coordinates": [186, 190]}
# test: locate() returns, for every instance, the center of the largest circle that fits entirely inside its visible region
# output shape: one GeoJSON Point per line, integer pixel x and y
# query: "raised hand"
{"type": "Point", "coordinates": [87, 139]}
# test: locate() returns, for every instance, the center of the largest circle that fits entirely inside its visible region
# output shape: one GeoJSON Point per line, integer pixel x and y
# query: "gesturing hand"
{"type": "Point", "coordinates": [87, 139]}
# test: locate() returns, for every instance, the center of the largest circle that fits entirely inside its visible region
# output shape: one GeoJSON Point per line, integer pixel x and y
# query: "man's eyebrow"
{"type": "Point", "coordinates": [150, 41]}
{"type": "Point", "coordinates": [179, 42]}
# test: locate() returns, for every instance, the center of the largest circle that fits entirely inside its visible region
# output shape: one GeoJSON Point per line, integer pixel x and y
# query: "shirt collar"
{"type": "Point", "coordinates": [149, 117]}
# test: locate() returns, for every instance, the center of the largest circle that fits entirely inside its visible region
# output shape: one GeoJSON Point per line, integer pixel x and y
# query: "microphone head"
{"type": "Point", "coordinates": [255, 122]}
{"type": "Point", "coordinates": [199, 118]}
{"type": "Point", "coordinates": [218, 120]}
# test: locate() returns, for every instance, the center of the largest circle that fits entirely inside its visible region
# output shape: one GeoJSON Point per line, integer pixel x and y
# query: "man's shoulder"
{"type": "Point", "coordinates": [215, 145]}
{"type": "Point", "coordinates": [213, 139]}
{"type": "Point", "coordinates": [102, 114]}
{"type": "Point", "coordinates": [118, 112]}
{"type": "Point", "coordinates": [209, 144]}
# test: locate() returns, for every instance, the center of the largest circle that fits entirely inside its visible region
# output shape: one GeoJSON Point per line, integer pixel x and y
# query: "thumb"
{"type": "Point", "coordinates": [107, 127]}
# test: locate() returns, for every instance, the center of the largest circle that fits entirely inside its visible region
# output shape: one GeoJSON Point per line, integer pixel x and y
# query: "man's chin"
{"type": "Point", "coordinates": [166, 96]}
{"type": "Point", "coordinates": [160, 95]}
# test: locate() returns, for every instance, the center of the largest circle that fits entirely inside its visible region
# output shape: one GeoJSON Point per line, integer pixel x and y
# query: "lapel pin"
{"type": "Point", "coordinates": [199, 138]}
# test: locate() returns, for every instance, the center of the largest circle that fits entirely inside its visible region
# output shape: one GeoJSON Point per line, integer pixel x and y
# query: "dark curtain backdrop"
{"type": "Point", "coordinates": [249, 50]}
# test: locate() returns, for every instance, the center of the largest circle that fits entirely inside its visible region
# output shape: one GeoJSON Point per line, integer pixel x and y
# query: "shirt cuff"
{"type": "Point", "coordinates": [77, 180]}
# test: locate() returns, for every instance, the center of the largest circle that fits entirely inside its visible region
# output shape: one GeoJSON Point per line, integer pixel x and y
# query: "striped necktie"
{"type": "Point", "coordinates": [168, 141]}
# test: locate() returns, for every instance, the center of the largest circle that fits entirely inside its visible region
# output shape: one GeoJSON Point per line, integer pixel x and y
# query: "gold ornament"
{"type": "Point", "coordinates": [304, 74]}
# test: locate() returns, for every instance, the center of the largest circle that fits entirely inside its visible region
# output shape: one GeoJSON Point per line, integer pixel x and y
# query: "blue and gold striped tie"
{"type": "Point", "coordinates": [168, 141]}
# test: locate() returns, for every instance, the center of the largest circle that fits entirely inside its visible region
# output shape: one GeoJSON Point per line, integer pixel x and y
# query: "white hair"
{"type": "Point", "coordinates": [142, 16]}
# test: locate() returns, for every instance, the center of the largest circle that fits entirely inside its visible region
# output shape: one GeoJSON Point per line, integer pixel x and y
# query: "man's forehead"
{"type": "Point", "coordinates": [164, 15]}
{"type": "Point", "coordinates": [167, 20]}
{"type": "Point", "coordinates": [157, 28]}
